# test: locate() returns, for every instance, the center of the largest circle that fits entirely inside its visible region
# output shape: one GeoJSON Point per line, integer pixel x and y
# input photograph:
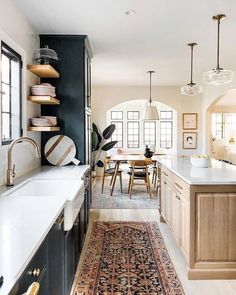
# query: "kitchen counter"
{"type": "Point", "coordinates": [219, 173]}
{"type": "Point", "coordinates": [25, 221]}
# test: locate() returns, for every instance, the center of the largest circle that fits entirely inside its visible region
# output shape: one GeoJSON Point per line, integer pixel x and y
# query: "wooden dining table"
{"type": "Point", "coordinates": [118, 158]}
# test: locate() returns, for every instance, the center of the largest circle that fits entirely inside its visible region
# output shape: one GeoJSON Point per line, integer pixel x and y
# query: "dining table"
{"type": "Point", "coordinates": [125, 158]}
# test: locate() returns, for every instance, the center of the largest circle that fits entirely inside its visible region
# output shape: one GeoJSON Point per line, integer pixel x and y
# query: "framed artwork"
{"type": "Point", "coordinates": [189, 121]}
{"type": "Point", "coordinates": [189, 140]}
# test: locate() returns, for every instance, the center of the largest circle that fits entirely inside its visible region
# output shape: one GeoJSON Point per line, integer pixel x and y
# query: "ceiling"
{"type": "Point", "coordinates": [155, 38]}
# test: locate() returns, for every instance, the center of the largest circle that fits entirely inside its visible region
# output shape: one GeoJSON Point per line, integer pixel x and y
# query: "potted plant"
{"type": "Point", "coordinates": [99, 143]}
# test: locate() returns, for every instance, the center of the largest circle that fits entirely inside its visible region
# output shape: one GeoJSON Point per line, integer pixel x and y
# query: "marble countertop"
{"type": "Point", "coordinates": [25, 221]}
{"type": "Point", "coordinates": [219, 173]}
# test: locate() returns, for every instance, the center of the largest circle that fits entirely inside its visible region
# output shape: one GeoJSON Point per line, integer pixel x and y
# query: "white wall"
{"type": "Point", "coordinates": [19, 34]}
{"type": "Point", "coordinates": [106, 97]}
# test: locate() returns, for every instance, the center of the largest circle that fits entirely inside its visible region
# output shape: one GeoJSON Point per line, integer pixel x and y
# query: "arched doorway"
{"type": "Point", "coordinates": [221, 116]}
{"type": "Point", "coordinates": [133, 133]}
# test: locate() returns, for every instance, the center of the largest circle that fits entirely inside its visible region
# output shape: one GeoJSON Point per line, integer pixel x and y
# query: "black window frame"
{"type": "Point", "coordinates": [128, 122]}
{"type": "Point", "coordinates": [10, 53]}
{"type": "Point", "coordinates": [122, 123]}
{"type": "Point", "coordinates": [144, 122]}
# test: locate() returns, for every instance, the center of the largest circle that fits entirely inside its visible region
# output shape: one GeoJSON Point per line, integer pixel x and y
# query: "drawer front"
{"type": "Point", "coordinates": [180, 186]}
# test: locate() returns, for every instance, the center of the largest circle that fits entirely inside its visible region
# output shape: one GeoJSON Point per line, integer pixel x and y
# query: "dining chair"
{"type": "Point", "coordinates": [139, 171]}
{"type": "Point", "coordinates": [110, 171]}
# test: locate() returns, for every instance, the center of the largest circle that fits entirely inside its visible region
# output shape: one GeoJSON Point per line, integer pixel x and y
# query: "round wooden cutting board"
{"type": "Point", "coordinates": [60, 150]}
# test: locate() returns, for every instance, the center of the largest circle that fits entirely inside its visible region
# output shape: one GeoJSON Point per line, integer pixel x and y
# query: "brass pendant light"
{"type": "Point", "coordinates": [218, 76]}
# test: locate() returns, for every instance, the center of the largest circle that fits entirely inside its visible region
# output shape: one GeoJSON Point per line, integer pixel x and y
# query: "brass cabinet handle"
{"type": "Point", "coordinates": [177, 197]}
{"type": "Point", "coordinates": [180, 187]}
{"type": "Point", "coordinates": [33, 289]}
{"type": "Point", "coordinates": [165, 182]}
{"type": "Point", "coordinates": [59, 220]}
{"type": "Point", "coordinates": [165, 173]}
{"type": "Point", "coordinates": [35, 272]}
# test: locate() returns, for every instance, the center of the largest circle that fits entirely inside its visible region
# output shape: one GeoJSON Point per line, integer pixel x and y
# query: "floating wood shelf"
{"type": "Point", "coordinates": [41, 129]}
{"type": "Point", "coordinates": [43, 71]}
{"type": "Point", "coordinates": [43, 99]}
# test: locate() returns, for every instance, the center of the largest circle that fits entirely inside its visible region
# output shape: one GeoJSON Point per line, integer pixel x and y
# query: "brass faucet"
{"type": "Point", "coordinates": [10, 167]}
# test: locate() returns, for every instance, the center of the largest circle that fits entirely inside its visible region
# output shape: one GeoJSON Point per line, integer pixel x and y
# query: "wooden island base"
{"type": "Point", "coordinates": [203, 221]}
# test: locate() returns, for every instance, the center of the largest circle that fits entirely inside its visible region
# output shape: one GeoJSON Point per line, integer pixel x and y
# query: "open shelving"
{"type": "Point", "coordinates": [45, 99]}
{"type": "Point", "coordinates": [43, 129]}
{"type": "Point", "coordinates": [43, 71]}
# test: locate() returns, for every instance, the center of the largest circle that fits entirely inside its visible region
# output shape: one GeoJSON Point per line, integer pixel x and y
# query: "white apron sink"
{"type": "Point", "coordinates": [70, 190]}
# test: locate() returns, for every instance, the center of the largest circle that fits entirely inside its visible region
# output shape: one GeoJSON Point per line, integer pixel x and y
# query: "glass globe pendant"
{"type": "Point", "coordinates": [150, 112]}
{"type": "Point", "coordinates": [191, 89]}
{"type": "Point", "coordinates": [218, 76]}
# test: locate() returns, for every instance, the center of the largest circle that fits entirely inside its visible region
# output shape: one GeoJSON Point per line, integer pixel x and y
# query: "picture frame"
{"type": "Point", "coordinates": [190, 121]}
{"type": "Point", "coordinates": [189, 140]}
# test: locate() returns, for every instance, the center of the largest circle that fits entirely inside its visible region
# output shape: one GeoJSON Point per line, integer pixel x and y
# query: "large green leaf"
{"type": "Point", "coordinates": [95, 129]}
{"type": "Point", "coordinates": [95, 141]}
{"type": "Point", "coordinates": [109, 146]}
{"type": "Point", "coordinates": [107, 133]}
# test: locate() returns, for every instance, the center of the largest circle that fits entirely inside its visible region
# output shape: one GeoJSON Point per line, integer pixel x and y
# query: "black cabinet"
{"type": "Point", "coordinates": [54, 264]}
{"type": "Point", "coordinates": [73, 89]}
{"type": "Point", "coordinates": [56, 258]}
{"type": "Point", "coordinates": [36, 271]}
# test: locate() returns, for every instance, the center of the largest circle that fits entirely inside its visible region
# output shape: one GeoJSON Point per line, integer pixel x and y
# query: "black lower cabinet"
{"type": "Point", "coordinates": [36, 271]}
{"type": "Point", "coordinates": [54, 264]}
{"type": "Point", "coordinates": [56, 258]}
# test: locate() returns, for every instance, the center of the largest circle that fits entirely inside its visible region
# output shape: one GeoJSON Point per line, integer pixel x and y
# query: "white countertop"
{"type": "Point", "coordinates": [25, 222]}
{"type": "Point", "coordinates": [219, 173]}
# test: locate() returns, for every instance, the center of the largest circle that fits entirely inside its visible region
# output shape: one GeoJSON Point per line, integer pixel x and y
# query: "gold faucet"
{"type": "Point", "coordinates": [10, 167]}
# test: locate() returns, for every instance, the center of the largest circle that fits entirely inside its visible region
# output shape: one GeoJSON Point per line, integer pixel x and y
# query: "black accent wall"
{"type": "Point", "coordinates": [71, 89]}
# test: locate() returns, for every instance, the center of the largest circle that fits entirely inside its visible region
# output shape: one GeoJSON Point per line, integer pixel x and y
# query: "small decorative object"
{"type": "Point", "coordinates": [189, 121]}
{"type": "Point", "coordinates": [45, 55]}
{"type": "Point", "coordinates": [44, 121]}
{"type": "Point", "coordinates": [218, 76]}
{"type": "Point", "coordinates": [148, 153]}
{"type": "Point", "coordinates": [99, 143]}
{"type": "Point", "coordinates": [43, 89]}
{"type": "Point", "coordinates": [191, 89]}
{"type": "Point", "coordinates": [200, 161]}
{"type": "Point", "coordinates": [231, 140]}
{"type": "Point", "coordinates": [189, 140]}
{"type": "Point", "coordinates": [60, 150]}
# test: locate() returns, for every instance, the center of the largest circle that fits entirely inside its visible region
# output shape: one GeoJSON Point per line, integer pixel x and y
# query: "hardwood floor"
{"type": "Point", "coordinates": [191, 287]}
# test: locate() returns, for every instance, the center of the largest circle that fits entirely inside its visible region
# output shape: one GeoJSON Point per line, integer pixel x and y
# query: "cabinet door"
{"type": "Point", "coordinates": [82, 224]}
{"type": "Point", "coordinates": [163, 198]}
{"type": "Point", "coordinates": [36, 271]}
{"type": "Point", "coordinates": [69, 260]}
{"type": "Point", "coordinates": [185, 224]}
{"type": "Point", "coordinates": [175, 218]}
{"type": "Point", "coordinates": [56, 258]}
{"type": "Point", "coordinates": [76, 233]}
{"type": "Point", "coordinates": [168, 205]}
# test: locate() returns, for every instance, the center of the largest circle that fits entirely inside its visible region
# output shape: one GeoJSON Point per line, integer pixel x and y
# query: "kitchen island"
{"type": "Point", "coordinates": [199, 205]}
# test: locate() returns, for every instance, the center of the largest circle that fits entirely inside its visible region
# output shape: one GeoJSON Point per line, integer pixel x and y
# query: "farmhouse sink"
{"type": "Point", "coordinates": [70, 190]}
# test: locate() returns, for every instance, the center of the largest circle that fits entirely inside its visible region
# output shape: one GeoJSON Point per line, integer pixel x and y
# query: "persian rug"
{"type": "Point", "coordinates": [127, 258]}
{"type": "Point", "coordinates": [140, 198]}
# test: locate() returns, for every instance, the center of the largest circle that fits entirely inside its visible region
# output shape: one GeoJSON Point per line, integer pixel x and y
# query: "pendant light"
{"type": "Point", "coordinates": [218, 76]}
{"type": "Point", "coordinates": [150, 112]}
{"type": "Point", "coordinates": [191, 88]}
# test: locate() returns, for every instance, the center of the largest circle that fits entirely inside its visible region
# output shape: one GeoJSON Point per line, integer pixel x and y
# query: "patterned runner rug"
{"type": "Point", "coordinates": [127, 258]}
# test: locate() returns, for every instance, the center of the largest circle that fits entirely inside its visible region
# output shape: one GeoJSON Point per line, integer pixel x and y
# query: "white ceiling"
{"type": "Point", "coordinates": [125, 47]}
